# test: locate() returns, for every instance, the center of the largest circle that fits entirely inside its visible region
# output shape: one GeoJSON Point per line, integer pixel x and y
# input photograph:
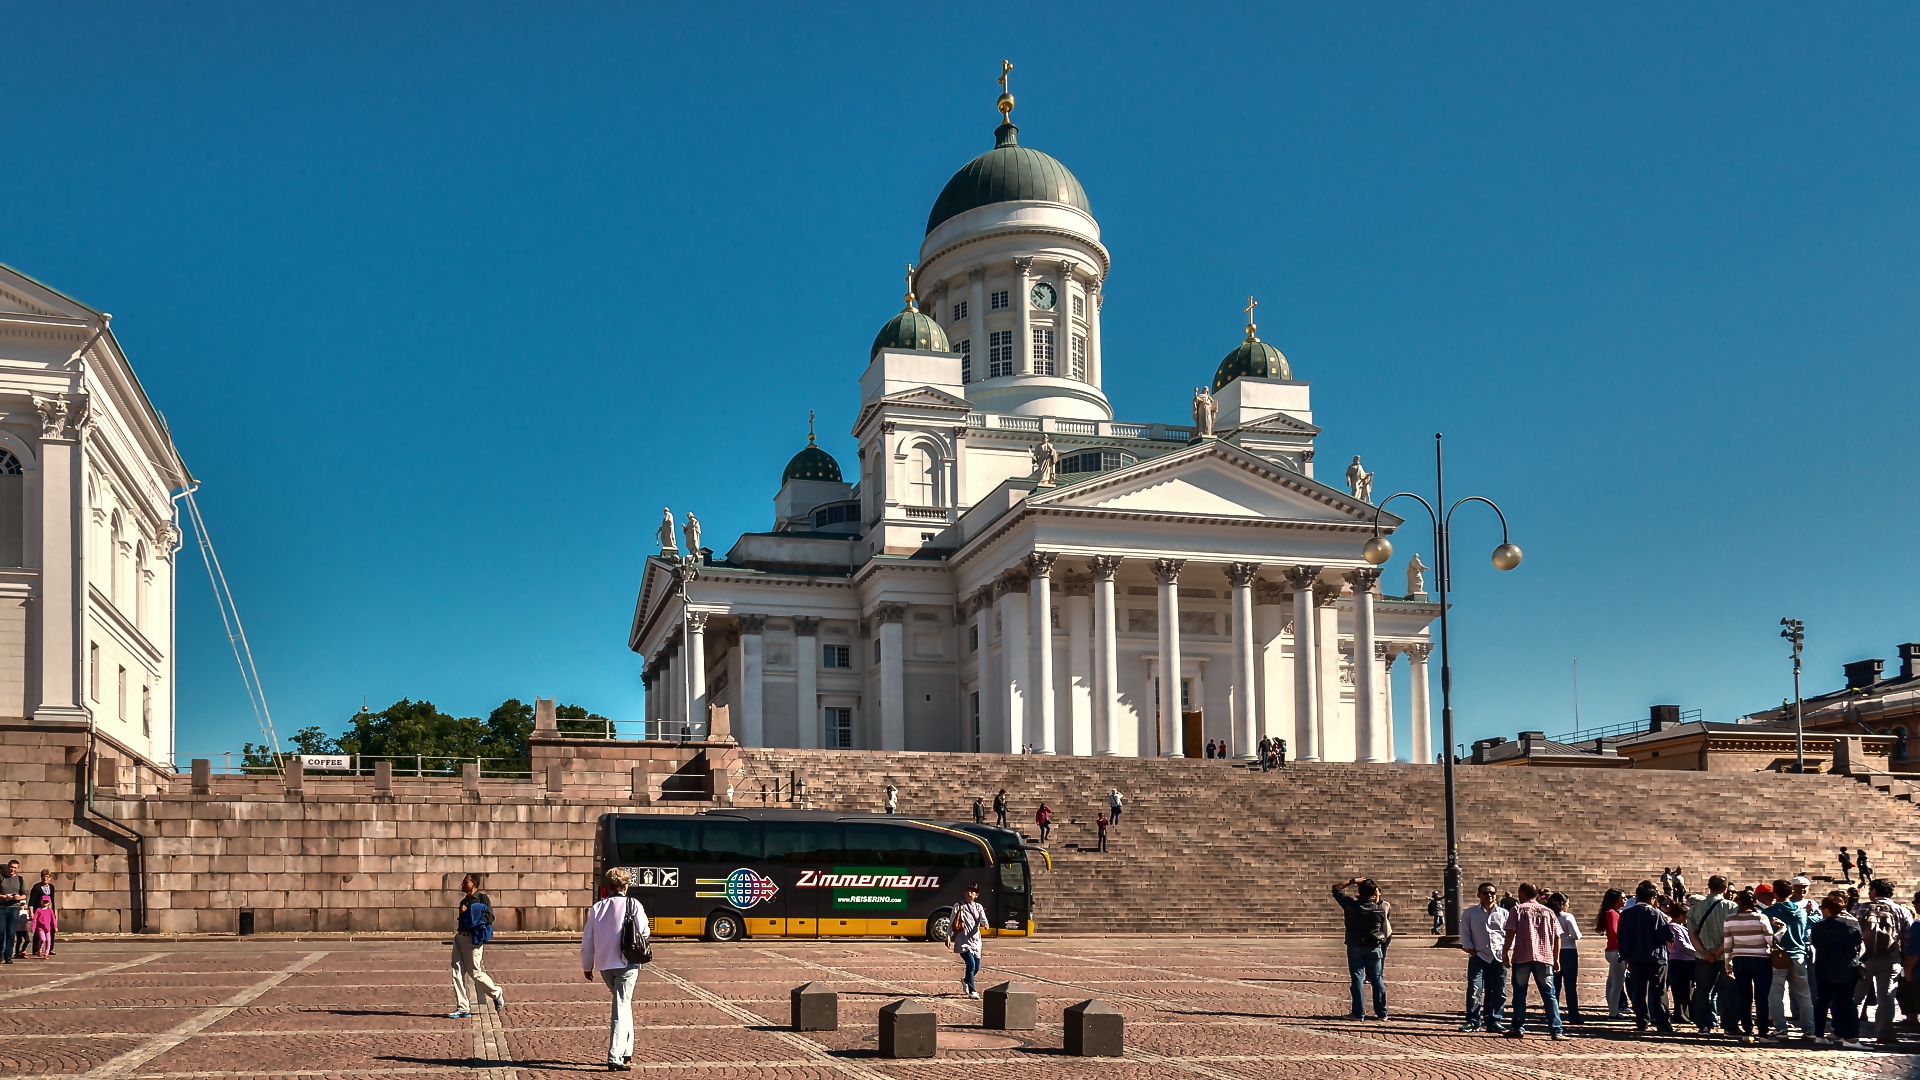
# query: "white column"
{"type": "Point", "coordinates": [1336, 737]}
{"type": "Point", "coordinates": [977, 328]}
{"type": "Point", "coordinates": [1387, 655]}
{"type": "Point", "coordinates": [1167, 571]}
{"type": "Point", "coordinates": [1009, 596]}
{"type": "Point", "coordinates": [62, 580]}
{"type": "Point", "coordinates": [1366, 687]}
{"type": "Point", "coordinates": [1274, 697]}
{"type": "Point", "coordinates": [697, 672]}
{"type": "Point", "coordinates": [1245, 693]}
{"type": "Point", "coordinates": [753, 685]}
{"type": "Point", "coordinates": [806, 662]}
{"type": "Point", "coordinates": [1106, 657]}
{"type": "Point", "coordinates": [1078, 722]}
{"type": "Point", "coordinates": [1094, 299]}
{"type": "Point", "coordinates": [1306, 678]}
{"type": "Point", "coordinates": [1023, 285]}
{"type": "Point", "coordinates": [893, 678]}
{"type": "Point", "coordinates": [985, 676]}
{"type": "Point", "coordinates": [1420, 705]}
{"type": "Point", "coordinates": [1040, 578]}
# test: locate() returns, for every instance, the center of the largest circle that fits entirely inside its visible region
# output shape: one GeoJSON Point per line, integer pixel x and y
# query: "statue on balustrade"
{"type": "Point", "coordinates": [692, 531]}
{"type": "Point", "coordinates": [665, 533]}
{"type": "Point", "coordinates": [1205, 410]}
{"type": "Point", "coordinates": [1360, 481]}
{"type": "Point", "coordinates": [1046, 459]}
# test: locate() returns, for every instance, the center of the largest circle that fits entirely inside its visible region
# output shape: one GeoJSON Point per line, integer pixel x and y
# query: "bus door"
{"type": "Point", "coordinates": [796, 852]}
{"type": "Point", "coordinates": [1015, 890]}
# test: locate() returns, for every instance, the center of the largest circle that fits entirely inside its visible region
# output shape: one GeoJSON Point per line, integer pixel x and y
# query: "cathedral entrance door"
{"type": "Point", "coordinates": [1191, 742]}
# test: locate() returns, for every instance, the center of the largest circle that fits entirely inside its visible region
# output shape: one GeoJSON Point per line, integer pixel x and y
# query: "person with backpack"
{"type": "Point", "coordinates": [1837, 950]}
{"type": "Point", "coordinates": [968, 921]}
{"type": "Point", "coordinates": [1883, 934]}
{"type": "Point", "coordinates": [1367, 935]}
{"type": "Point", "coordinates": [473, 930]}
{"type": "Point", "coordinates": [1437, 911]}
{"type": "Point", "coordinates": [613, 944]}
{"type": "Point", "coordinates": [1790, 984]}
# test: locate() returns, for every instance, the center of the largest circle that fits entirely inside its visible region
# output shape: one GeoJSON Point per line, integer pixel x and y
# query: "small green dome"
{"type": "Point", "coordinates": [1253, 357]}
{"type": "Point", "coordinates": [1007, 173]}
{"type": "Point", "coordinates": [812, 463]}
{"type": "Point", "coordinates": [910, 330]}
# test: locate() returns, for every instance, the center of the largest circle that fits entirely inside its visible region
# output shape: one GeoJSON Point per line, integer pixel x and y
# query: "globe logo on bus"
{"type": "Point", "coordinates": [743, 888]}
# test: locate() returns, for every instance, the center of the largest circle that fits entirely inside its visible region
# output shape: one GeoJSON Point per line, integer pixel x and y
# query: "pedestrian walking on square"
{"type": "Point", "coordinates": [1883, 934]}
{"type": "Point", "coordinates": [1101, 822]}
{"type": "Point", "coordinates": [1000, 808]}
{"type": "Point", "coordinates": [1367, 936]}
{"type": "Point", "coordinates": [1712, 986]}
{"type": "Point", "coordinates": [893, 799]}
{"type": "Point", "coordinates": [979, 811]}
{"type": "Point", "coordinates": [1437, 911]}
{"type": "Point", "coordinates": [1790, 983]}
{"type": "Point", "coordinates": [13, 907]}
{"type": "Point", "coordinates": [1846, 865]}
{"type": "Point", "coordinates": [1866, 868]}
{"type": "Point", "coordinates": [603, 952]}
{"type": "Point", "coordinates": [1680, 961]}
{"type": "Point", "coordinates": [1483, 937]}
{"type": "Point", "coordinates": [1566, 981]}
{"type": "Point", "coordinates": [1837, 955]}
{"type": "Point", "coordinates": [1749, 943]}
{"type": "Point", "coordinates": [41, 915]}
{"type": "Point", "coordinates": [1533, 955]}
{"type": "Point", "coordinates": [1644, 933]}
{"type": "Point", "coordinates": [1608, 923]}
{"type": "Point", "coordinates": [1043, 817]}
{"type": "Point", "coordinates": [472, 930]}
{"type": "Point", "coordinates": [968, 921]}
{"type": "Point", "coordinates": [1113, 807]}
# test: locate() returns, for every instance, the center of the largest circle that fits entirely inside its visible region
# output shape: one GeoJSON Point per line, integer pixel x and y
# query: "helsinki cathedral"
{"type": "Point", "coordinates": [1016, 570]}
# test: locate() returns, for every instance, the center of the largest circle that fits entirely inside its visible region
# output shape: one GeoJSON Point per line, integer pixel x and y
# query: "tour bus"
{"type": "Point", "coordinates": [730, 874]}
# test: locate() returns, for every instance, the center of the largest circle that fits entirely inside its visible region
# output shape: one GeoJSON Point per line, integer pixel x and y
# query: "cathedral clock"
{"type": "Point", "coordinates": [1043, 296]}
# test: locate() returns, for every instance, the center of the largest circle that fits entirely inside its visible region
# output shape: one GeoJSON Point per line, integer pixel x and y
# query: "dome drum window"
{"type": "Point", "coordinates": [1042, 350]}
{"type": "Point", "coordinates": [835, 514]}
{"type": "Point", "coordinates": [959, 311]}
{"type": "Point", "coordinates": [999, 354]}
{"type": "Point", "coordinates": [965, 349]}
{"type": "Point", "coordinates": [999, 301]}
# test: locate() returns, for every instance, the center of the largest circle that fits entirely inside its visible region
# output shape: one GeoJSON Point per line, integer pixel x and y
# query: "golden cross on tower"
{"type": "Point", "coordinates": [809, 427]}
{"type": "Point", "coordinates": [910, 286]}
{"type": "Point", "coordinates": [1006, 96]}
{"type": "Point", "coordinates": [1251, 304]}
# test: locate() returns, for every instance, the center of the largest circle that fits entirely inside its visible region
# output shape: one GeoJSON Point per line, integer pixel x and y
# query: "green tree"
{"type": "Point", "coordinates": [576, 721]}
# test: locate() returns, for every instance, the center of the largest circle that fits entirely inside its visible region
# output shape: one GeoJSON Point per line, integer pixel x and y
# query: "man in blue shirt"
{"type": "Point", "coordinates": [1483, 937]}
{"type": "Point", "coordinates": [1792, 917]}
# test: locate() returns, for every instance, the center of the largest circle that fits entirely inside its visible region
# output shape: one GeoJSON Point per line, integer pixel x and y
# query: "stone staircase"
{"type": "Point", "coordinates": [1216, 848]}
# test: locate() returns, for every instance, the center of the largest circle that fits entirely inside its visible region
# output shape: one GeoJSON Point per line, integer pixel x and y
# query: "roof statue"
{"type": "Point", "coordinates": [1205, 409]}
{"type": "Point", "coordinates": [1360, 481]}
{"type": "Point", "coordinates": [692, 531]}
{"type": "Point", "coordinates": [1416, 576]}
{"type": "Point", "coordinates": [1045, 460]}
{"type": "Point", "coordinates": [665, 533]}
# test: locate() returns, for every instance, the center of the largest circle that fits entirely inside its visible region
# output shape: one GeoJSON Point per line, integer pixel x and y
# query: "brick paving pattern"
{"type": "Point", "coordinates": [1227, 1009]}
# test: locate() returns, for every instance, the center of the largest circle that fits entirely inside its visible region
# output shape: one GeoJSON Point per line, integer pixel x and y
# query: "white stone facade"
{"type": "Point", "coordinates": [950, 601]}
{"type": "Point", "coordinates": [87, 531]}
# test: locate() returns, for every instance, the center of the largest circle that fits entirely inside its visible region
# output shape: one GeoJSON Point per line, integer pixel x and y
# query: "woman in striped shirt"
{"type": "Point", "coordinates": [1747, 940]}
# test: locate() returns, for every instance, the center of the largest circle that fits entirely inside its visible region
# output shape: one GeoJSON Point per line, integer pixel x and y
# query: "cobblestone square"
{"type": "Point", "coordinates": [1227, 1009]}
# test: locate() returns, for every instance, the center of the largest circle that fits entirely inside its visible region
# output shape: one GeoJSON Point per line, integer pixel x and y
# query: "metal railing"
{"type": "Point", "coordinates": [656, 730]}
{"type": "Point", "coordinates": [420, 766]}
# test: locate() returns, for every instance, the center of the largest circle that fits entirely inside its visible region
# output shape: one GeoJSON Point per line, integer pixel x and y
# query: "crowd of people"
{"type": "Point", "coordinates": [1755, 964]}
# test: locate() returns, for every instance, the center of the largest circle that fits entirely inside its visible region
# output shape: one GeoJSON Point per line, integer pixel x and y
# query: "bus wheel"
{"type": "Point", "coordinates": [940, 927]}
{"type": "Point", "coordinates": [724, 926]}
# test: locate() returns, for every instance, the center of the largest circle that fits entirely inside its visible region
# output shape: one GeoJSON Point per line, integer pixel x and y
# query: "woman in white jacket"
{"type": "Point", "coordinates": [600, 952]}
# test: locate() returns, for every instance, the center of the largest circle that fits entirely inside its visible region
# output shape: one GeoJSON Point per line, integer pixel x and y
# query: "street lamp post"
{"type": "Point", "coordinates": [1505, 557]}
{"type": "Point", "coordinates": [1796, 631]}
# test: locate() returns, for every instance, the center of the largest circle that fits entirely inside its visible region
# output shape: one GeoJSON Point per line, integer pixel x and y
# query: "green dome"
{"type": "Point", "coordinates": [912, 331]}
{"type": "Point", "coordinates": [1007, 173]}
{"type": "Point", "coordinates": [1253, 357]}
{"type": "Point", "coordinates": [812, 463]}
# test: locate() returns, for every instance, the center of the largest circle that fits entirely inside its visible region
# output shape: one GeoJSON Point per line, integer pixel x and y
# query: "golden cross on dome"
{"type": "Point", "coordinates": [1251, 304]}
{"type": "Point", "coordinates": [910, 286]}
{"type": "Point", "coordinates": [809, 427]}
{"type": "Point", "coordinates": [1006, 96]}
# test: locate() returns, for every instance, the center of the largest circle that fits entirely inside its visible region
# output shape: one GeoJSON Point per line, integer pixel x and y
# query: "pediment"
{"type": "Point", "coordinates": [1213, 480]}
{"type": "Point", "coordinates": [22, 295]}
{"type": "Point", "coordinates": [1279, 424]}
{"type": "Point", "coordinates": [923, 397]}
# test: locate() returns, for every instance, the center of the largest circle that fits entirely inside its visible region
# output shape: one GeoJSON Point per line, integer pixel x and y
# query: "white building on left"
{"type": "Point", "coordinates": [88, 478]}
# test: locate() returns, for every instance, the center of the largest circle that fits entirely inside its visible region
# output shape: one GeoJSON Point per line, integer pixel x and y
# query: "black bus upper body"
{"type": "Point", "coordinates": [727, 874]}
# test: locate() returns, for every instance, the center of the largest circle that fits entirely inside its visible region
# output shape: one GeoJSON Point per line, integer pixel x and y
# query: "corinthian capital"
{"type": "Point", "coordinates": [1303, 577]}
{"type": "Point", "coordinates": [1241, 574]}
{"type": "Point", "coordinates": [1040, 563]}
{"type": "Point", "coordinates": [1167, 571]}
{"type": "Point", "coordinates": [697, 621]}
{"type": "Point", "coordinates": [1364, 579]}
{"type": "Point", "coordinates": [1105, 566]}
{"type": "Point", "coordinates": [1325, 593]}
{"type": "Point", "coordinates": [1418, 650]}
{"type": "Point", "coordinates": [53, 416]}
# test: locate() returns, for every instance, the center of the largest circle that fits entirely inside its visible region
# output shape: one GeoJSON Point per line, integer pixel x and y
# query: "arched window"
{"type": "Point", "coordinates": [923, 476]}
{"type": "Point", "coordinates": [1096, 461]}
{"type": "Point", "coordinates": [113, 559]}
{"type": "Point", "coordinates": [140, 584]}
{"type": "Point", "coordinates": [13, 510]}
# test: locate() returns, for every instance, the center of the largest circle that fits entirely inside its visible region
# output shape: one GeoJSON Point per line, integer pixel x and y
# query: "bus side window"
{"type": "Point", "coordinates": [953, 851]}
{"type": "Point", "coordinates": [1013, 877]}
{"type": "Point", "coordinates": [814, 842]}
{"type": "Point", "coordinates": [884, 845]}
{"type": "Point", "coordinates": [657, 841]}
{"type": "Point", "coordinates": [732, 841]}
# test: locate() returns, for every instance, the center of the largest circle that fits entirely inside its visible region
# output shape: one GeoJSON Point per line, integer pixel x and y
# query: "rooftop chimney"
{"type": "Point", "coordinates": [1863, 673]}
{"type": "Point", "coordinates": [1910, 659]}
{"type": "Point", "coordinates": [1662, 716]}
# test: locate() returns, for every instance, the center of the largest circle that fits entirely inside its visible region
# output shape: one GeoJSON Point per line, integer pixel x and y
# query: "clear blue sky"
{"type": "Point", "coordinates": [444, 304]}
